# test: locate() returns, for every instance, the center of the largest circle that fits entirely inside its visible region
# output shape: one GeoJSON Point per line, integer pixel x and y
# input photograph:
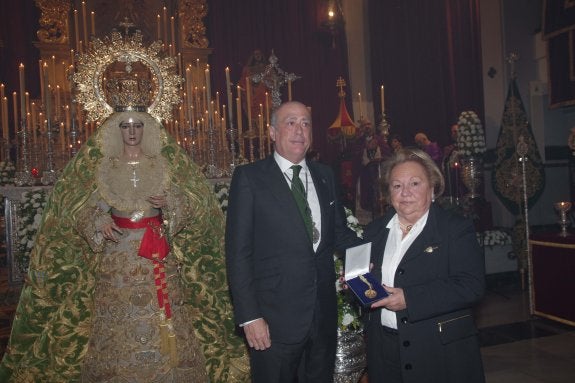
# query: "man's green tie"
{"type": "Point", "coordinates": [300, 195]}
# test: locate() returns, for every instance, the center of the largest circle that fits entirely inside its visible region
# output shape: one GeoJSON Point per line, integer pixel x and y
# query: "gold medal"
{"type": "Point", "coordinates": [370, 292]}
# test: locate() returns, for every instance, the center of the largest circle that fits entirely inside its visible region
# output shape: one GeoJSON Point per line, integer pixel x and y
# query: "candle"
{"type": "Point", "coordinates": [229, 93]}
{"type": "Point", "coordinates": [249, 102]}
{"type": "Point", "coordinates": [289, 90]}
{"type": "Point", "coordinates": [261, 133]}
{"type": "Point", "coordinates": [58, 102]}
{"type": "Point", "coordinates": [218, 102]}
{"type": "Point", "coordinates": [382, 101]}
{"type": "Point", "coordinates": [77, 30]}
{"type": "Point", "coordinates": [159, 35]}
{"type": "Point", "coordinates": [22, 93]}
{"type": "Point", "coordinates": [53, 67]}
{"type": "Point", "coordinates": [173, 32]}
{"type": "Point", "coordinates": [93, 20]}
{"type": "Point", "coordinates": [5, 128]}
{"type": "Point", "coordinates": [239, 114]}
{"type": "Point", "coordinates": [48, 101]}
{"type": "Point", "coordinates": [32, 130]}
{"type": "Point", "coordinates": [165, 14]}
{"type": "Point", "coordinates": [359, 97]}
{"type": "Point", "coordinates": [208, 92]}
{"type": "Point", "coordinates": [62, 138]}
{"type": "Point", "coordinates": [84, 21]}
{"type": "Point", "coordinates": [33, 114]}
{"type": "Point", "coordinates": [15, 110]}
{"type": "Point", "coordinates": [267, 108]}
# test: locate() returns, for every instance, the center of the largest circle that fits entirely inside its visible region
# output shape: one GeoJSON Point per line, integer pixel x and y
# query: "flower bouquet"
{"type": "Point", "coordinates": [7, 171]}
{"type": "Point", "coordinates": [470, 135]}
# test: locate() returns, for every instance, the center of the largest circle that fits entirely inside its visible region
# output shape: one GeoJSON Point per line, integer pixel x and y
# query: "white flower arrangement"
{"type": "Point", "coordinates": [470, 135]}
{"type": "Point", "coordinates": [494, 238]}
{"type": "Point", "coordinates": [30, 213]}
{"type": "Point", "coordinates": [347, 310]}
{"type": "Point", "coordinates": [7, 171]}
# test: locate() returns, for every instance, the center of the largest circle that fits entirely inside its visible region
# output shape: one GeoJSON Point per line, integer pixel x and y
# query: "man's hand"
{"type": "Point", "coordinates": [258, 334]}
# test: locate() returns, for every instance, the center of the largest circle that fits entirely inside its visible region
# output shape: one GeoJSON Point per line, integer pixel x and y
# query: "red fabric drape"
{"type": "Point", "coordinates": [428, 56]}
{"type": "Point", "coordinates": [291, 29]}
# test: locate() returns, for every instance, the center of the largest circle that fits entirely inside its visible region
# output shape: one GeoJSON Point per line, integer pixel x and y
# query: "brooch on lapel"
{"type": "Point", "coordinates": [430, 249]}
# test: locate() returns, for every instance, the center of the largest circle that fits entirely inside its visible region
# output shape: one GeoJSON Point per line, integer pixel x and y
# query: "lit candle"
{"type": "Point", "coordinates": [382, 101]}
{"type": "Point", "coordinates": [261, 133]}
{"type": "Point", "coordinates": [165, 14]}
{"type": "Point", "coordinates": [218, 102]}
{"type": "Point", "coordinates": [229, 93]}
{"type": "Point", "coordinates": [360, 113]}
{"type": "Point", "coordinates": [84, 21]}
{"type": "Point", "coordinates": [93, 20]}
{"type": "Point", "coordinates": [62, 138]}
{"type": "Point", "coordinates": [77, 30]}
{"type": "Point", "coordinates": [208, 92]}
{"type": "Point", "coordinates": [48, 100]}
{"type": "Point", "coordinates": [158, 23]}
{"type": "Point", "coordinates": [173, 32]}
{"type": "Point", "coordinates": [289, 90]}
{"type": "Point", "coordinates": [53, 67]}
{"type": "Point", "coordinates": [22, 93]}
{"type": "Point", "coordinates": [27, 103]}
{"type": "Point", "coordinates": [2, 90]}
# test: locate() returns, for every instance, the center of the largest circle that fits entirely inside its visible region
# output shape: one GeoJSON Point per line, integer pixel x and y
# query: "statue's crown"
{"type": "Point", "coordinates": [129, 94]}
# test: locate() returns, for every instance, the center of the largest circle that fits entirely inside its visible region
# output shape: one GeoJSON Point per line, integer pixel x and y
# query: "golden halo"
{"type": "Point", "coordinates": [92, 65]}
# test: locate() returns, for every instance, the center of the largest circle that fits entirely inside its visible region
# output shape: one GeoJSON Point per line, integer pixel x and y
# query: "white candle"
{"type": "Point", "coordinates": [360, 113]}
{"type": "Point", "coordinates": [85, 22]}
{"type": "Point", "coordinates": [229, 92]}
{"type": "Point", "coordinates": [382, 101]}
{"type": "Point", "coordinates": [22, 93]}
{"type": "Point", "coordinates": [289, 90]}
{"type": "Point", "coordinates": [93, 19]}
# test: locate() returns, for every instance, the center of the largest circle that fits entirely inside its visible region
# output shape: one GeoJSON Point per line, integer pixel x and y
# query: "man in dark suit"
{"type": "Point", "coordinates": [280, 255]}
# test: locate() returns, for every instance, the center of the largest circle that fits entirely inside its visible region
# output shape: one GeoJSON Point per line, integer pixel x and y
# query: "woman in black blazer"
{"type": "Point", "coordinates": [431, 264]}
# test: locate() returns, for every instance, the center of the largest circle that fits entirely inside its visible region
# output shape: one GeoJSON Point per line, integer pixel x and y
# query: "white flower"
{"type": "Point", "coordinates": [347, 319]}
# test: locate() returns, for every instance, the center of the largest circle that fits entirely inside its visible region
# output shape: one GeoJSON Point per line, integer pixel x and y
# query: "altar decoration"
{"type": "Point", "coordinates": [30, 212]}
{"type": "Point", "coordinates": [343, 128]}
{"type": "Point", "coordinates": [350, 359]}
{"type": "Point", "coordinates": [51, 127]}
{"type": "Point", "coordinates": [470, 147]}
{"type": "Point", "coordinates": [7, 170]}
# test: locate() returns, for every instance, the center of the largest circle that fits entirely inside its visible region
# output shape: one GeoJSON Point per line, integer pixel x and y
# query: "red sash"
{"type": "Point", "coordinates": [153, 246]}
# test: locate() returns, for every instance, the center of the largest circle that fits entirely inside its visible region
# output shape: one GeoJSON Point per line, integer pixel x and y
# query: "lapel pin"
{"type": "Point", "coordinates": [430, 249]}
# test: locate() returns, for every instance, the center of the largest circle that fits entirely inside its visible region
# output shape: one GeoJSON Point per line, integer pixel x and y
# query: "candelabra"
{"type": "Point", "coordinates": [563, 207]}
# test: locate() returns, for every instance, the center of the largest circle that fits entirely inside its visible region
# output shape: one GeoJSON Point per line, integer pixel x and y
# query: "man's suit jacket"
{"type": "Point", "coordinates": [442, 275]}
{"type": "Point", "coordinates": [273, 271]}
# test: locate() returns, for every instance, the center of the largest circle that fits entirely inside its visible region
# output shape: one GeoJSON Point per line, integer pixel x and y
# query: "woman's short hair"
{"type": "Point", "coordinates": [413, 155]}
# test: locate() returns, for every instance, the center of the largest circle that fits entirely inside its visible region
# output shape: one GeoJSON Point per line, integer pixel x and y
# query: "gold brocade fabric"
{"type": "Point", "coordinates": [125, 338]}
{"type": "Point", "coordinates": [75, 293]}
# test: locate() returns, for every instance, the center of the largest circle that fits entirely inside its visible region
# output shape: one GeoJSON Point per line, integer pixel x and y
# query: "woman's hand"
{"type": "Point", "coordinates": [157, 201]}
{"type": "Point", "coordinates": [394, 302]}
{"type": "Point", "coordinates": [109, 230]}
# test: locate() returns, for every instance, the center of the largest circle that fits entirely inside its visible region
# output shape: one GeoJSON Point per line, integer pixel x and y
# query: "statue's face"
{"type": "Point", "coordinates": [132, 132]}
